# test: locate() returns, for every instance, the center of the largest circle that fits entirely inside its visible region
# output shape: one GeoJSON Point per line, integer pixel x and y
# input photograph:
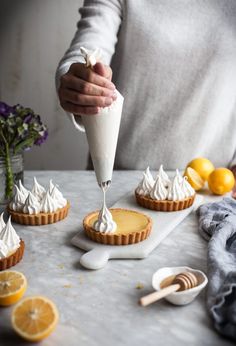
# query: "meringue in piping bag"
{"type": "Point", "coordinates": [102, 130]}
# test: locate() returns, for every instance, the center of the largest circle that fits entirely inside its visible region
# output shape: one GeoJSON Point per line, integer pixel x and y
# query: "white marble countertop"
{"type": "Point", "coordinates": [100, 307]}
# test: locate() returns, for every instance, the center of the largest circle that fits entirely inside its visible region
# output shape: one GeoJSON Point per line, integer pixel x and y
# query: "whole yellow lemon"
{"type": "Point", "coordinates": [221, 181]}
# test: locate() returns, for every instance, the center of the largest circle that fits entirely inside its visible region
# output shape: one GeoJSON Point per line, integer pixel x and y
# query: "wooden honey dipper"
{"type": "Point", "coordinates": [181, 282]}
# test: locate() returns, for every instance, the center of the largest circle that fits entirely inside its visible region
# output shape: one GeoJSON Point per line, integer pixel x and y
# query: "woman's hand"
{"type": "Point", "coordinates": [84, 90]}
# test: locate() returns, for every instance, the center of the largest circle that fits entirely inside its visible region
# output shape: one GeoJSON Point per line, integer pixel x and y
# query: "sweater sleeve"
{"type": "Point", "coordinates": [97, 28]}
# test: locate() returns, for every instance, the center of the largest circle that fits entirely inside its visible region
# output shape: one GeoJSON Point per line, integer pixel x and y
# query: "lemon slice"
{"type": "Point", "coordinates": [194, 178]}
{"type": "Point", "coordinates": [34, 318]}
{"type": "Point", "coordinates": [12, 286]}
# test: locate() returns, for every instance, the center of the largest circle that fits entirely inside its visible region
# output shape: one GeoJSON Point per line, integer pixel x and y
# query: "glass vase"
{"type": "Point", "coordinates": [10, 173]}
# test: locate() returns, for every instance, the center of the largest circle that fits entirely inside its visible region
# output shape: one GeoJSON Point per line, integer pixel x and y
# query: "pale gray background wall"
{"type": "Point", "coordinates": [34, 34]}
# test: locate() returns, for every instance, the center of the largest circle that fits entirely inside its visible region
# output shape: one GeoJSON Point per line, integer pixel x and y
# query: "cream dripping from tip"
{"type": "Point", "coordinates": [105, 222]}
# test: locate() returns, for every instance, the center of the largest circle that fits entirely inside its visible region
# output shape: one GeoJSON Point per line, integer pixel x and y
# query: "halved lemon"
{"type": "Point", "coordinates": [202, 166]}
{"type": "Point", "coordinates": [194, 178]}
{"type": "Point", "coordinates": [12, 286]}
{"type": "Point", "coordinates": [34, 318]}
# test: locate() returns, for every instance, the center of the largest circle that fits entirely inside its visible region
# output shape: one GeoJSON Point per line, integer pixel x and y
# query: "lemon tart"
{"type": "Point", "coordinates": [38, 206]}
{"type": "Point", "coordinates": [164, 194]}
{"type": "Point", "coordinates": [131, 227]}
{"type": "Point", "coordinates": [11, 245]}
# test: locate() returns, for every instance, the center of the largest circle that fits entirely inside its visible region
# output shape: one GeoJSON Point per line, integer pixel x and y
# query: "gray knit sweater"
{"type": "Point", "coordinates": [174, 61]}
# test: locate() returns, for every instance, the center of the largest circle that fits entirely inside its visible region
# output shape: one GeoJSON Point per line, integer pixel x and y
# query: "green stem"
{"type": "Point", "coordinates": [9, 174]}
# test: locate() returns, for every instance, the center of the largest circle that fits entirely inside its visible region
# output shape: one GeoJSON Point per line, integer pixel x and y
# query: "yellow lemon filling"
{"type": "Point", "coordinates": [127, 221]}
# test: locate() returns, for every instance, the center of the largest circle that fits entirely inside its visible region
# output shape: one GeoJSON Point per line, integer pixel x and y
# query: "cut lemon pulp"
{"type": "Point", "coordinates": [12, 287]}
{"type": "Point", "coordinates": [194, 178]}
{"type": "Point", "coordinates": [34, 318]}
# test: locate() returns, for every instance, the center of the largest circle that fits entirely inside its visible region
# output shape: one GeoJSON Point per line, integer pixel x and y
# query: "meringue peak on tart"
{"type": "Point", "coordinates": [146, 184]}
{"type": "Point", "coordinates": [9, 236]}
{"type": "Point", "coordinates": [32, 204]}
{"type": "Point", "coordinates": [163, 176]}
{"type": "Point", "coordinates": [2, 222]}
{"type": "Point", "coordinates": [18, 200]}
{"type": "Point", "coordinates": [38, 190]}
{"type": "Point", "coordinates": [23, 190]}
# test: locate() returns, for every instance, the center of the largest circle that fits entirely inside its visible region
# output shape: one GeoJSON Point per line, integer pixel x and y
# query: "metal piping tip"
{"type": "Point", "coordinates": [105, 185]}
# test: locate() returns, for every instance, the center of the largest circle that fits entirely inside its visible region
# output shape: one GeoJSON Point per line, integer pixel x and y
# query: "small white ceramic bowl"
{"type": "Point", "coordinates": [181, 297]}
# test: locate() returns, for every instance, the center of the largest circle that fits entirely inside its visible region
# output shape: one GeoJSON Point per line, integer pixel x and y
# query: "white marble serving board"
{"type": "Point", "coordinates": [97, 255]}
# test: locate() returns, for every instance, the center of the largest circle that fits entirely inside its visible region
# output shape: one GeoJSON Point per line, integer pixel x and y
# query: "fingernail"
{"type": "Point", "coordinates": [112, 86]}
{"type": "Point", "coordinates": [114, 96]}
{"type": "Point", "coordinates": [108, 101]}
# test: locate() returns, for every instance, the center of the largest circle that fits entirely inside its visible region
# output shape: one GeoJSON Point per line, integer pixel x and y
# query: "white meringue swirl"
{"type": "Point", "coordinates": [145, 186]}
{"type": "Point", "coordinates": [187, 188]}
{"type": "Point", "coordinates": [9, 237]}
{"type": "Point", "coordinates": [179, 176]}
{"type": "Point", "coordinates": [175, 192]}
{"type": "Point", "coordinates": [23, 190]}
{"type": "Point", "coordinates": [58, 196]}
{"type": "Point", "coordinates": [104, 223]}
{"type": "Point", "coordinates": [159, 191]}
{"type": "Point", "coordinates": [163, 176]}
{"type": "Point", "coordinates": [49, 204]}
{"type": "Point", "coordinates": [38, 190]}
{"type": "Point", "coordinates": [3, 250]}
{"type": "Point", "coordinates": [2, 222]}
{"type": "Point", "coordinates": [32, 205]}
{"type": "Point", "coordinates": [18, 200]}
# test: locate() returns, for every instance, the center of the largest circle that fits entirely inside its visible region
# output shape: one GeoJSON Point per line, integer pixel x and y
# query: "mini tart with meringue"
{"type": "Point", "coordinates": [11, 246]}
{"type": "Point", "coordinates": [163, 194]}
{"type": "Point", "coordinates": [38, 206]}
{"type": "Point", "coordinates": [130, 227]}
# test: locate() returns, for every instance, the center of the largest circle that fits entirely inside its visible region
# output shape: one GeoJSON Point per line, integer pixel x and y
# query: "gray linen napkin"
{"type": "Point", "coordinates": [217, 223]}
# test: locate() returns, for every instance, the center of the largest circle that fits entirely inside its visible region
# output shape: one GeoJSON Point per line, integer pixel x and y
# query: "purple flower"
{"type": "Point", "coordinates": [28, 118]}
{"type": "Point", "coordinates": [41, 139]}
{"type": "Point", "coordinates": [5, 110]}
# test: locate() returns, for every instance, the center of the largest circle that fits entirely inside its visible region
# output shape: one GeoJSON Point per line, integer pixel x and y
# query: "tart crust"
{"type": "Point", "coordinates": [165, 205]}
{"type": "Point", "coordinates": [14, 258]}
{"type": "Point", "coordinates": [117, 238]}
{"type": "Point", "coordinates": [41, 218]}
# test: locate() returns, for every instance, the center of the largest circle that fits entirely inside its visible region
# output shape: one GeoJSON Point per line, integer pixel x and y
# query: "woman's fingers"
{"type": "Point", "coordinates": [86, 100]}
{"type": "Point", "coordinates": [79, 110]}
{"type": "Point", "coordinates": [88, 75]}
{"type": "Point", "coordinates": [87, 88]}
